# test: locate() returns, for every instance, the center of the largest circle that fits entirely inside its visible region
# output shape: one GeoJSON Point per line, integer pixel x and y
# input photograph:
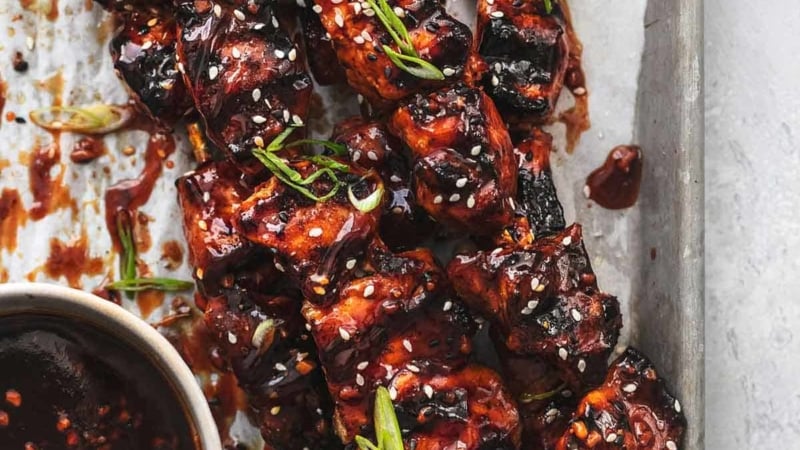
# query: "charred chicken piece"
{"type": "Point", "coordinates": [143, 50]}
{"type": "Point", "coordinates": [244, 74]}
{"type": "Point", "coordinates": [527, 50]}
{"type": "Point", "coordinates": [403, 223]}
{"type": "Point", "coordinates": [209, 198]}
{"type": "Point", "coordinates": [398, 326]}
{"type": "Point", "coordinates": [536, 194]}
{"type": "Point", "coordinates": [315, 242]}
{"type": "Point", "coordinates": [544, 301]}
{"type": "Point", "coordinates": [322, 59]}
{"type": "Point", "coordinates": [464, 170]}
{"type": "Point", "coordinates": [358, 37]}
{"type": "Point", "coordinates": [274, 360]}
{"type": "Point", "coordinates": [545, 402]}
{"type": "Point", "coordinates": [631, 410]}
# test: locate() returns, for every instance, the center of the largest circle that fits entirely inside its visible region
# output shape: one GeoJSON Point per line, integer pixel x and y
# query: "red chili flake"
{"type": "Point", "coordinates": [63, 423]}
{"type": "Point", "coordinates": [13, 398]}
{"type": "Point", "coordinates": [3, 419]}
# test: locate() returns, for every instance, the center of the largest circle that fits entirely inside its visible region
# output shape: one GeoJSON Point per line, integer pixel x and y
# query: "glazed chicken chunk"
{"type": "Point", "coordinates": [322, 59]}
{"type": "Point", "coordinates": [143, 49]}
{"type": "Point", "coordinates": [315, 241]}
{"type": "Point", "coordinates": [544, 301]}
{"type": "Point", "coordinates": [403, 223]}
{"type": "Point", "coordinates": [246, 76]}
{"type": "Point", "coordinates": [359, 36]}
{"type": "Point", "coordinates": [631, 410]}
{"type": "Point", "coordinates": [464, 170]}
{"type": "Point", "coordinates": [527, 51]}
{"type": "Point", "coordinates": [399, 327]}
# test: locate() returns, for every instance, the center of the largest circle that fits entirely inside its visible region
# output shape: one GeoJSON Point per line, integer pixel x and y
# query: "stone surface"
{"type": "Point", "coordinates": [753, 232]}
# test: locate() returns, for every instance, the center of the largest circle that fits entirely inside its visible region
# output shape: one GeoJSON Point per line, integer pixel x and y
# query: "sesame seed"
{"type": "Point", "coordinates": [286, 115]}
{"type": "Point", "coordinates": [498, 67]}
{"type": "Point", "coordinates": [279, 53]}
{"type": "Point", "coordinates": [511, 203]}
{"type": "Point", "coordinates": [562, 353]}
{"type": "Point", "coordinates": [407, 345]}
{"type": "Point", "coordinates": [367, 37]}
{"type": "Point", "coordinates": [238, 14]}
{"type": "Point", "coordinates": [475, 150]}
{"type": "Point", "coordinates": [275, 410]}
{"type": "Point", "coordinates": [297, 120]}
{"type": "Point", "coordinates": [395, 179]}
{"type": "Point", "coordinates": [448, 72]}
{"type": "Point", "coordinates": [360, 99]}
{"type": "Point", "coordinates": [447, 306]}
{"type": "Point", "coordinates": [461, 182]}
{"type": "Point", "coordinates": [336, 2]}
{"type": "Point", "coordinates": [356, 155]}
{"type": "Point", "coordinates": [533, 304]}
{"type": "Point", "coordinates": [369, 12]}
{"type": "Point", "coordinates": [576, 315]}
{"type": "Point", "coordinates": [202, 225]}
{"type": "Point", "coordinates": [428, 391]}
{"type": "Point", "coordinates": [539, 288]}
{"type": "Point", "coordinates": [362, 365]}
{"type": "Point", "coordinates": [358, 40]}
{"type": "Point", "coordinates": [181, 68]}
{"type": "Point", "coordinates": [629, 388]}
{"type": "Point", "coordinates": [372, 155]}
{"type": "Point", "coordinates": [587, 191]}
{"type": "Point", "coordinates": [217, 10]}
{"type": "Point", "coordinates": [339, 19]}
{"type": "Point", "coordinates": [152, 22]}
{"type": "Point", "coordinates": [438, 199]}
{"type": "Point", "coordinates": [308, 326]}
{"type": "Point", "coordinates": [356, 8]}
{"type": "Point", "coordinates": [495, 80]}
{"type": "Point", "coordinates": [534, 283]}
{"type": "Point", "coordinates": [392, 393]}
{"type": "Point", "coordinates": [344, 334]}
{"type": "Point", "coordinates": [256, 94]}
{"type": "Point", "coordinates": [550, 415]}
{"type": "Point", "coordinates": [147, 45]}
{"type": "Point", "coordinates": [671, 445]}
{"type": "Point", "coordinates": [266, 102]}
{"type": "Point", "coordinates": [455, 197]}
{"type": "Point", "coordinates": [315, 232]}
{"type": "Point", "coordinates": [611, 437]}
{"type": "Point", "coordinates": [526, 311]}
{"type": "Point", "coordinates": [280, 367]}
{"type": "Point", "coordinates": [259, 119]}
{"type": "Point", "coordinates": [275, 22]}
{"type": "Point", "coordinates": [490, 2]}
{"type": "Point", "coordinates": [369, 290]}
{"type": "Point", "coordinates": [206, 197]}
{"type": "Point", "coordinates": [399, 11]}
{"type": "Point", "coordinates": [236, 53]}
{"type": "Point", "coordinates": [279, 266]}
{"type": "Point", "coordinates": [581, 365]}
{"type": "Point", "coordinates": [677, 406]}
{"type": "Point", "coordinates": [232, 338]}
{"type": "Point", "coordinates": [412, 368]}
{"type": "Point", "coordinates": [471, 201]}
{"type": "Point", "coordinates": [580, 90]}
{"type": "Point", "coordinates": [497, 14]}
{"type": "Point", "coordinates": [359, 379]}
{"type": "Point", "coordinates": [213, 71]}
{"type": "Point", "coordinates": [199, 273]}
{"type": "Point", "coordinates": [258, 26]}
{"type": "Point", "coordinates": [292, 54]}
{"type": "Point", "coordinates": [317, 9]}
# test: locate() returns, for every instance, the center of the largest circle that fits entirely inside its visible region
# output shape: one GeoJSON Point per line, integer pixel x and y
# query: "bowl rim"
{"type": "Point", "coordinates": [112, 319]}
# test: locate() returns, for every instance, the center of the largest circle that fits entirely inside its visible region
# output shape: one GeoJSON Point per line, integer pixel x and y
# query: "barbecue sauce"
{"type": "Point", "coordinates": [67, 385]}
{"type": "Point", "coordinates": [615, 185]}
{"type": "Point", "coordinates": [12, 216]}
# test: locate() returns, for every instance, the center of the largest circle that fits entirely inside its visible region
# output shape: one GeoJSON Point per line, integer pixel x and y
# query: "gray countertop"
{"type": "Point", "coordinates": [752, 61]}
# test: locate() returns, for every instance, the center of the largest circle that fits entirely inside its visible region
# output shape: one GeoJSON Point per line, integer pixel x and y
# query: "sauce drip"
{"type": "Point", "coordinates": [87, 149]}
{"type": "Point", "coordinates": [127, 196]}
{"type": "Point", "coordinates": [576, 119]}
{"type": "Point", "coordinates": [172, 254]}
{"type": "Point", "coordinates": [74, 387]}
{"type": "Point", "coordinates": [3, 92]}
{"type": "Point", "coordinates": [72, 260]}
{"type": "Point", "coordinates": [12, 216]}
{"type": "Point", "coordinates": [615, 185]}
{"type": "Point", "coordinates": [49, 192]}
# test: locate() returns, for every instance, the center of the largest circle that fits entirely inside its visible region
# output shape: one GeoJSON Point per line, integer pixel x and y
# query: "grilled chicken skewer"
{"type": "Point", "coordinates": [358, 36]}
{"type": "Point", "coordinates": [253, 316]}
{"type": "Point", "coordinates": [245, 74]}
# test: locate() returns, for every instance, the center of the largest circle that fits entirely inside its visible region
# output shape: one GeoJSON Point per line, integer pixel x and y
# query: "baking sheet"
{"type": "Point", "coordinates": [74, 46]}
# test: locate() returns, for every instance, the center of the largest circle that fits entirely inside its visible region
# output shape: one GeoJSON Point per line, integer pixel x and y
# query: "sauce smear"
{"type": "Point", "coordinates": [49, 192]}
{"type": "Point", "coordinates": [615, 185]}
{"type": "Point", "coordinates": [12, 216]}
{"type": "Point", "coordinates": [72, 260]}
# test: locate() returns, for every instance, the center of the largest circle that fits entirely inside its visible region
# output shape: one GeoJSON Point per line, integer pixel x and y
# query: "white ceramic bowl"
{"type": "Point", "coordinates": [118, 324]}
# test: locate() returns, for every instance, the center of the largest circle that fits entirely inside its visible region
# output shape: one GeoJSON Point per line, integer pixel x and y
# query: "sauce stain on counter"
{"type": "Point", "coordinates": [148, 301]}
{"type": "Point", "coordinates": [49, 193]}
{"type": "Point", "coordinates": [48, 8]}
{"type": "Point", "coordinates": [576, 119]}
{"type": "Point", "coordinates": [3, 93]}
{"type": "Point", "coordinates": [71, 260]}
{"type": "Point", "coordinates": [87, 149]}
{"type": "Point", "coordinates": [12, 217]}
{"type": "Point", "coordinates": [615, 184]}
{"type": "Point", "coordinates": [172, 254]}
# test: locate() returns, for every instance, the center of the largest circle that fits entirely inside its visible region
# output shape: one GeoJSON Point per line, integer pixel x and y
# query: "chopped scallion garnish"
{"type": "Point", "coordinates": [387, 428]}
{"type": "Point", "coordinates": [144, 284]}
{"type": "Point", "coordinates": [90, 119]}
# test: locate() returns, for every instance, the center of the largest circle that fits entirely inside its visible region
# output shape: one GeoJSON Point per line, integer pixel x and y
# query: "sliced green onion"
{"type": "Point", "coordinates": [293, 179]}
{"type": "Point", "coordinates": [528, 398]}
{"type": "Point", "coordinates": [90, 119]}
{"type": "Point", "coordinates": [127, 260]}
{"type": "Point", "coordinates": [369, 203]}
{"type": "Point", "coordinates": [144, 284]}
{"type": "Point", "coordinates": [364, 444]}
{"type": "Point", "coordinates": [548, 6]}
{"type": "Point", "coordinates": [419, 68]}
{"type": "Point", "coordinates": [387, 428]}
{"type": "Point", "coordinates": [335, 147]}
